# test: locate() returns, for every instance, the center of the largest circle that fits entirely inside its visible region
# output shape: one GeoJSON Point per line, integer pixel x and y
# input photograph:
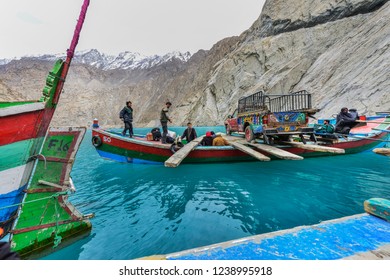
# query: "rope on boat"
{"type": "Point", "coordinates": [57, 237]}
{"type": "Point", "coordinates": [35, 200]}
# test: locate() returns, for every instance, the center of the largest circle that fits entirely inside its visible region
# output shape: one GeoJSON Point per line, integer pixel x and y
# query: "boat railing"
{"type": "Point", "coordinates": [297, 101]}
{"type": "Point", "coordinates": [260, 102]}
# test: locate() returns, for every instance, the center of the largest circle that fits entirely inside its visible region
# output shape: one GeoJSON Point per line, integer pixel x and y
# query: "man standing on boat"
{"type": "Point", "coordinates": [164, 119]}
{"type": "Point", "coordinates": [126, 115]}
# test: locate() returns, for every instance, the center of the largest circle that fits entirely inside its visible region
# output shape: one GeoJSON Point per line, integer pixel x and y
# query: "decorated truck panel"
{"type": "Point", "coordinates": [263, 115]}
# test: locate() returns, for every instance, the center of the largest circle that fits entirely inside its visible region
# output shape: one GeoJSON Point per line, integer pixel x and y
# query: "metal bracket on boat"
{"type": "Point", "coordinates": [89, 216]}
{"type": "Point", "coordinates": [71, 187]}
{"type": "Point", "coordinates": [34, 157]}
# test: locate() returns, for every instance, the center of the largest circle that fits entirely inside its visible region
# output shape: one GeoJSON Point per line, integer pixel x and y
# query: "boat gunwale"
{"type": "Point", "coordinates": [352, 139]}
{"type": "Point", "coordinates": [156, 144]}
{"type": "Point", "coordinates": [22, 108]}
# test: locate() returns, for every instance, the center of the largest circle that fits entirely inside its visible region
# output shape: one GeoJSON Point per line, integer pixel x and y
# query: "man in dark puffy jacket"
{"type": "Point", "coordinates": [189, 133]}
{"type": "Point", "coordinates": [126, 115]}
{"type": "Point", "coordinates": [354, 113]}
{"type": "Point", "coordinates": [345, 121]}
{"type": "Point", "coordinates": [207, 140]}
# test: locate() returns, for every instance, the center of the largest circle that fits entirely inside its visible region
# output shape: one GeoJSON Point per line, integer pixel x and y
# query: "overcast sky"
{"type": "Point", "coordinates": [112, 26]}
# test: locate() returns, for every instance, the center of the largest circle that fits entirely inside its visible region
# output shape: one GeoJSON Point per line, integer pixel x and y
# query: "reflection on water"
{"type": "Point", "coordinates": [146, 209]}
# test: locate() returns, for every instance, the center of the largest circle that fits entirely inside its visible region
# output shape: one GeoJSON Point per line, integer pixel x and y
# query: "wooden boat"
{"type": "Point", "coordinates": [23, 129]}
{"type": "Point", "coordinates": [114, 146]}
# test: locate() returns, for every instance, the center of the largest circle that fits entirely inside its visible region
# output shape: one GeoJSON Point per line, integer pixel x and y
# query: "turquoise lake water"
{"type": "Point", "coordinates": [144, 210]}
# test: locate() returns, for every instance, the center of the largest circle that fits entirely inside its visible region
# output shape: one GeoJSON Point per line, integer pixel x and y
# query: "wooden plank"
{"type": "Point", "coordinates": [378, 207]}
{"type": "Point", "coordinates": [383, 130]}
{"type": "Point", "coordinates": [382, 151]}
{"type": "Point", "coordinates": [316, 148]}
{"type": "Point", "coordinates": [378, 122]}
{"type": "Point", "coordinates": [178, 157]}
{"type": "Point", "coordinates": [249, 151]}
{"type": "Point", "coordinates": [275, 151]}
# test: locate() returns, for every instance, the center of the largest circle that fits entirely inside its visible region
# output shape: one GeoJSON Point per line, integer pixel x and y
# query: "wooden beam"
{"type": "Point", "coordinates": [316, 148]}
{"type": "Point", "coordinates": [178, 157]}
{"type": "Point", "coordinates": [378, 207]}
{"type": "Point", "coordinates": [383, 130]}
{"type": "Point", "coordinates": [378, 122]}
{"type": "Point", "coordinates": [275, 151]}
{"type": "Point", "coordinates": [382, 151]}
{"type": "Point", "coordinates": [249, 151]}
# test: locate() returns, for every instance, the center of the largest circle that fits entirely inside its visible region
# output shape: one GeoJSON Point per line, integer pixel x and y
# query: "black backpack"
{"type": "Point", "coordinates": [156, 134]}
{"type": "Point", "coordinates": [170, 140]}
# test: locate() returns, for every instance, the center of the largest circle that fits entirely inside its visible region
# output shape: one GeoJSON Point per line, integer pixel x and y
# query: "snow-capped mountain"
{"type": "Point", "coordinates": [5, 61]}
{"type": "Point", "coordinates": [124, 60]}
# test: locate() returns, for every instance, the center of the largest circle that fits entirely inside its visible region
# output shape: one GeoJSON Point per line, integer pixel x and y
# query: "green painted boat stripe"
{"type": "Point", "coordinates": [15, 110]}
{"type": "Point", "coordinates": [14, 103]}
{"type": "Point", "coordinates": [15, 154]}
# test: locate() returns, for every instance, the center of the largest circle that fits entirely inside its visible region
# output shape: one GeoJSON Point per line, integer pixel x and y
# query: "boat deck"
{"type": "Point", "coordinates": [360, 236]}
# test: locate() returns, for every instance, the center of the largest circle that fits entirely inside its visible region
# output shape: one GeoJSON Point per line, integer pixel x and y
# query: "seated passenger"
{"type": "Point", "coordinates": [219, 140]}
{"type": "Point", "coordinates": [189, 133]}
{"type": "Point", "coordinates": [345, 121]}
{"type": "Point", "coordinates": [354, 113]}
{"type": "Point", "coordinates": [326, 127]}
{"type": "Point", "coordinates": [207, 140]}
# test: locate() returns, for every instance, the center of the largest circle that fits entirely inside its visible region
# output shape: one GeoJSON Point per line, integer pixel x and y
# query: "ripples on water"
{"type": "Point", "coordinates": [145, 210]}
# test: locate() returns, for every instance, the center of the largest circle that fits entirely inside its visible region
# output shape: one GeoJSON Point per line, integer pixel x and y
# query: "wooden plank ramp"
{"type": "Point", "coordinates": [382, 151]}
{"type": "Point", "coordinates": [383, 130]}
{"type": "Point", "coordinates": [275, 151]}
{"type": "Point", "coordinates": [316, 148]}
{"type": "Point", "coordinates": [378, 122]}
{"type": "Point", "coordinates": [178, 157]}
{"type": "Point", "coordinates": [379, 207]}
{"type": "Point", "coordinates": [248, 150]}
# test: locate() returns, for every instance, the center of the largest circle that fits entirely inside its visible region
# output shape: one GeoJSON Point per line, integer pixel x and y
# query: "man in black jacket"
{"type": "Point", "coordinates": [189, 133]}
{"type": "Point", "coordinates": [207, 140]}
{"type": "Point", "coordinates": [345, 121]}
{"type": "Point", "coordinates": [126, 115]}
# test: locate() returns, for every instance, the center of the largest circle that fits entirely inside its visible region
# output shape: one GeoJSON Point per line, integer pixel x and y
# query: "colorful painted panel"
{"type": "Point", "coordinates": [287, 121]}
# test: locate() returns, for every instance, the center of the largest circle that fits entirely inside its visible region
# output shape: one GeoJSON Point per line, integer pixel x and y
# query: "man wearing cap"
{"type": "Point", "coordinates": [164, 119]}
{"type": "Point", "coordinates": [207, 140]}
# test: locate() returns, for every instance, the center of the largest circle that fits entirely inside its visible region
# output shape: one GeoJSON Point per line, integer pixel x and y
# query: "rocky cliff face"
{"type": "Point", "coordinates": [337, 50]}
